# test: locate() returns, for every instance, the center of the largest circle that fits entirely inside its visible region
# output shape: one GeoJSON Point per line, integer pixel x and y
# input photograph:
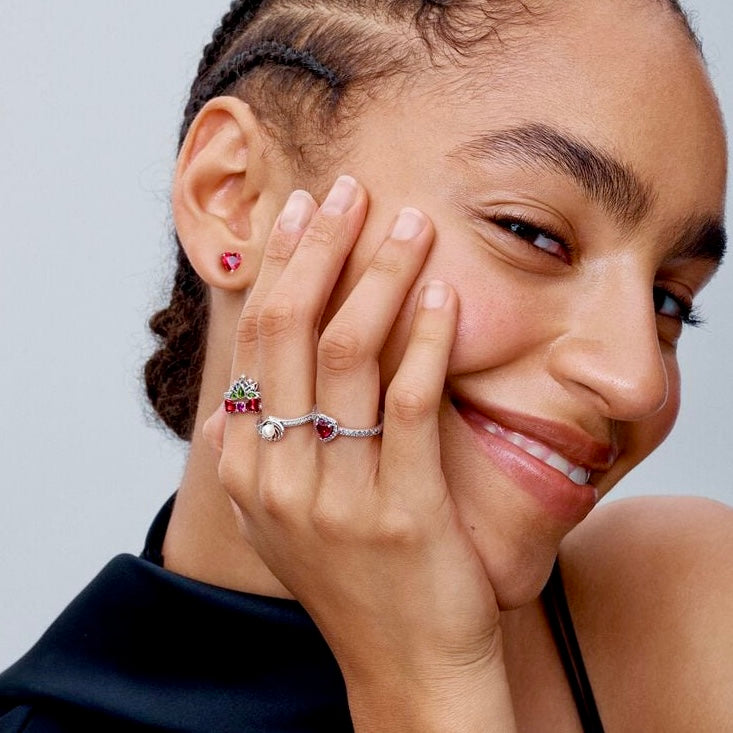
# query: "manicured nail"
{"type": "Point", "coordinates": [409, 224]}
{"type": "Point", "coordinates": [434, 294]}
{"type": "Point", "coordinates": [297, 212]}
{"type": "Point", "coordinates": [341, 196]}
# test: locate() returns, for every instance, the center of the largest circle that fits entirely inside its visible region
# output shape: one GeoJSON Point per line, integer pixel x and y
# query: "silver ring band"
{"type": "Point", "coordinates": [272, 428]}
{"type": "Point", "coordinates": [328, 429]}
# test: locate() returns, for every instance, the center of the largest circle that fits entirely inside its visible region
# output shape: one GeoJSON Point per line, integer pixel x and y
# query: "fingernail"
{"type": "Point", "coordinates": [434, 294]}
{"type": "Point", "coordinates": [341, 196]}
{"type": "Point", "coordinates": [297, 212]}
{"type": "Point", "coordinates": [409, 224]}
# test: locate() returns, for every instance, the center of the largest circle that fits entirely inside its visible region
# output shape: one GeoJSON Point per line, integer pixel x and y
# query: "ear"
{"type": "Point", "coordinates": [218, 181]}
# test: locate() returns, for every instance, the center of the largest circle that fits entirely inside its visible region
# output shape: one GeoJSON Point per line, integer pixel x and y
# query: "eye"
{"type": "Point", "coordinates": [537, 237]}
{"type": "Point", "coordinates": [670, 305]}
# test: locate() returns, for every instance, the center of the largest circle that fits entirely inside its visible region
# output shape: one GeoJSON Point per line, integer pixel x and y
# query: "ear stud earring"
{"type": "Point", "coordinates": [231, 261]}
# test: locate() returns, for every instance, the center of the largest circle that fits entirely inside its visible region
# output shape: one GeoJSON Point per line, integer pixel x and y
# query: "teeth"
{"type": "Point", "coordinates": [515, 439]}
{"type": "Point", "coordinates": [580, 476]}
{"type": "Point", "coordinates": [536, 450]}
{"type": "Point", "coordinates": [561, 464]}
{"type": "Point", "coordinates": [577, 474]}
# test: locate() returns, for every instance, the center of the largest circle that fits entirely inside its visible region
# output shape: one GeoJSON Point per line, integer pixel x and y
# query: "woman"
{"type": "Point", "coordinates": [510, 301]}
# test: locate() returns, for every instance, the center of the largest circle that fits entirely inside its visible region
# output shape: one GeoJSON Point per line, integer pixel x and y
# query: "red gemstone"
{"type": "Point", "coordinates": [230, 406]}
{"type": "Point", "coordinates": [324, 428]}
{"type": "Point", "coordinates": [254, 405]}
{"type": "Point", "coordinates": [231, 261]}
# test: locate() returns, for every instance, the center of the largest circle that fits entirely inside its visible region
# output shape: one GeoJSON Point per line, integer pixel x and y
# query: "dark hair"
{"type": "Point", "coordinates": [303, 67]}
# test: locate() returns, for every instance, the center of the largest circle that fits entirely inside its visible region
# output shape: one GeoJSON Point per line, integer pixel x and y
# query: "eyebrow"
{"type": "Point", "coordinates": [606, 180]}
{"type": "Point", "coordinates": [700, 238]}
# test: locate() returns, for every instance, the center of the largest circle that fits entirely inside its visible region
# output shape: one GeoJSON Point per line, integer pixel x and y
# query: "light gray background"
{"type": "Point", "coordinates": [91, 95]}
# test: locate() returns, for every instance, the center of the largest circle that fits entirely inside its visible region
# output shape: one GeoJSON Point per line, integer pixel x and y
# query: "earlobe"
{"type": "Point", "coordinates": [216, 186]}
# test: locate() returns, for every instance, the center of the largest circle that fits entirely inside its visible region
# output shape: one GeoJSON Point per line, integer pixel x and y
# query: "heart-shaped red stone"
{"type": "Point", "coordinates": [324, 428]}
{"type": "Point", "coordinates": [231, 261]}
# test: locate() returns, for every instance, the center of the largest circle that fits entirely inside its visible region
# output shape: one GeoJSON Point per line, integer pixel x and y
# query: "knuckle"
{"type": "Point", "coordinates": [277, 500]}
{"type": "Point", "coordinates": [322, 233]}
{"type": "Point", "coordinates": [340, 350]}
{"type": "Point", "coordinates": [431, 339]}
{"type": "Point", "coordinates": [277, 316]}
{"type": "Point", "coordinates": [232, 475]}
{"type": "Point", "coordinates": [384, 264]}
{"type": "Point", "coordinates": [399, 527]}
{"type": "Point", "coordinates": [406, 404]}
{"type": "Point", "coordinates": [279, 250]}
{"type": "Point", "coordinates": [247, 327]}
{"type": "Point", "coordinates": [330, 518]}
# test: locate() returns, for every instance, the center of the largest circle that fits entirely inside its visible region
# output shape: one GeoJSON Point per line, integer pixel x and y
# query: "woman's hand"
{"type": "Point", "coordinates": [363, 531]}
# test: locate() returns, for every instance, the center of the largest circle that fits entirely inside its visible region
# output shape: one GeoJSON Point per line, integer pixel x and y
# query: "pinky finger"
{"type": "Point", "coordinates": [410, 442]}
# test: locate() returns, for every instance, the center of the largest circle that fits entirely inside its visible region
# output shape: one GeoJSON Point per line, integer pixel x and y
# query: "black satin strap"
{"type": "Point", "coordinates": [561, 624]}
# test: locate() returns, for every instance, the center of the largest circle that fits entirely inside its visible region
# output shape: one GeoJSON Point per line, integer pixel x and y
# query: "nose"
{"type": "Point", "coordinates": [610, 352]}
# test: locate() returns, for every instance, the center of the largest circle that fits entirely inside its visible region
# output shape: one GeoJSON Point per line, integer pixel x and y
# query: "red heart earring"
{"type": "Point", "coordinates": [231, 261]}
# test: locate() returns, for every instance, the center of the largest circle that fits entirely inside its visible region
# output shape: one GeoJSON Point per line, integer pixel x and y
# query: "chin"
{"type": "Point", "coordinates": [516, 534]}
{"type": "Point", "coordinates": [517, 566]}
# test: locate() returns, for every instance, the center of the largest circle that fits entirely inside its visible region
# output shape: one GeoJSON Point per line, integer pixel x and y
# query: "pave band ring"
{"type": "Point", "coordinates": [327, 429]}
{"type": "Point", "coordinates": [272, 428]}
{"type": "Point", "coordinates": [243, 396]}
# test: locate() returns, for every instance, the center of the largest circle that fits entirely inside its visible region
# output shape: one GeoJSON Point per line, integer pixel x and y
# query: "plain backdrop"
{"type": "Point", "coordinates": [91, 94]}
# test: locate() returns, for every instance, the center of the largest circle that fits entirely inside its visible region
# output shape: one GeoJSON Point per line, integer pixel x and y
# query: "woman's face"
{"type": "Point", "coordinates": [575, 179]}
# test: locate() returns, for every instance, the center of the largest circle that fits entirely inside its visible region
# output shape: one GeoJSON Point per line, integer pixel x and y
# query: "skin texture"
{"type": "Point", "coordinates": [570, 337]}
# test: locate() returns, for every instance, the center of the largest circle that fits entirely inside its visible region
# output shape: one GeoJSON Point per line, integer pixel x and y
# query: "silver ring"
{"type": "Point", "coordinates": [328, 429]}
{"type": "Point", "coordinates": [272, 428]}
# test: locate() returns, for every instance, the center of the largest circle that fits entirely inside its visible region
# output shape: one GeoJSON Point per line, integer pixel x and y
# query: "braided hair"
{"type": "Point", "coordinates": [301, 65]}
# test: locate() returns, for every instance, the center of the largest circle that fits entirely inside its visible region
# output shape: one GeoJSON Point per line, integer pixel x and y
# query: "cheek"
{"type": "Point", "coordinates": [501, 320]}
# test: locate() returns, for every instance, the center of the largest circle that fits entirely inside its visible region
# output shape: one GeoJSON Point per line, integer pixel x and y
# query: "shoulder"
{"type": "Point", "coordinates": [650, 583]}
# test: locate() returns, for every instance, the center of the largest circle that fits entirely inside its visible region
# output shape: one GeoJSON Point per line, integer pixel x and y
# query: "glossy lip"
{"type": "Point", "coordinates": [556, 493]}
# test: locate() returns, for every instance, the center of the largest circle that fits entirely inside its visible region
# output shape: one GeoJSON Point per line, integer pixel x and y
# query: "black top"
{"type": "Point", "coordinates": [142, 648]}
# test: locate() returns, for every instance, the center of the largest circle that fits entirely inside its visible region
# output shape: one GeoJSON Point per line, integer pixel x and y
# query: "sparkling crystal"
{"type": "Point", "coordinates": [230, 406]}
{"type": "Point", "coordinates": [231, 261]}
{"type": "Point", "coordinates": [324, 428]}
{"type": "Point", "coordinates": [254, 405]}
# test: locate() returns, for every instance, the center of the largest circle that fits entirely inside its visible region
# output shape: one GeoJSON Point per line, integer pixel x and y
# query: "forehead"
{"type": "Point", "coordinates": [624, 77]}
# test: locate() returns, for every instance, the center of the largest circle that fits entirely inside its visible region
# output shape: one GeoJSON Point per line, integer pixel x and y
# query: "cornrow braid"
{"type": "Point", "coordinates": [240, 13]}
{"type": "Point", "coordinates": [300, 64]}
{"type": "Point", "coordinates": [267, 51]}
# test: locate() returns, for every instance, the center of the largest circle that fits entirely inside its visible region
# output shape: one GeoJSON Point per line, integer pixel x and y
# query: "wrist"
{"type": "Point", "coordinates": [436, 695]}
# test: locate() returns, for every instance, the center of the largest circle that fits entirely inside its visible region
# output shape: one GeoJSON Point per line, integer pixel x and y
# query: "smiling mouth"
{"type": "Point", "coordinates": [579, 475]}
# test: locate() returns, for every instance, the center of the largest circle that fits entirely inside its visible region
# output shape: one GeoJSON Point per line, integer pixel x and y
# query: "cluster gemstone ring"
{"type": "Point", "coordinates": [243, 396]}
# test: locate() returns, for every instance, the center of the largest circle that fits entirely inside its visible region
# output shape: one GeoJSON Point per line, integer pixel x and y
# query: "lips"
{"type": "Point", "coordinates": [577, 474]}
{"type": "Point", "coordinates": [552, 461]}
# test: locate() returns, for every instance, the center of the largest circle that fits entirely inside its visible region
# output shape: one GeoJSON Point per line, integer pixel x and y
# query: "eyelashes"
{"type": "Point", "coordinates": [538, 237]}
{"type": "Point", "coordinates": [682, 310]}
{"type": "Point", "coordinates": [544, 240]}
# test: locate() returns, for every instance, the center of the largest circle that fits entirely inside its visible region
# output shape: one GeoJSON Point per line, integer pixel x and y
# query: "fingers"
{"type": "Point", "coordinates": [410, 443]}
{"type": "Point", "coordinates": [288, 229]}
{"type": "Point", "coordinates": [348, 352]}
{"type": "Point", "coordinates": [237, 438]}
{"type": "Point", "coordinates": [290, 314]}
